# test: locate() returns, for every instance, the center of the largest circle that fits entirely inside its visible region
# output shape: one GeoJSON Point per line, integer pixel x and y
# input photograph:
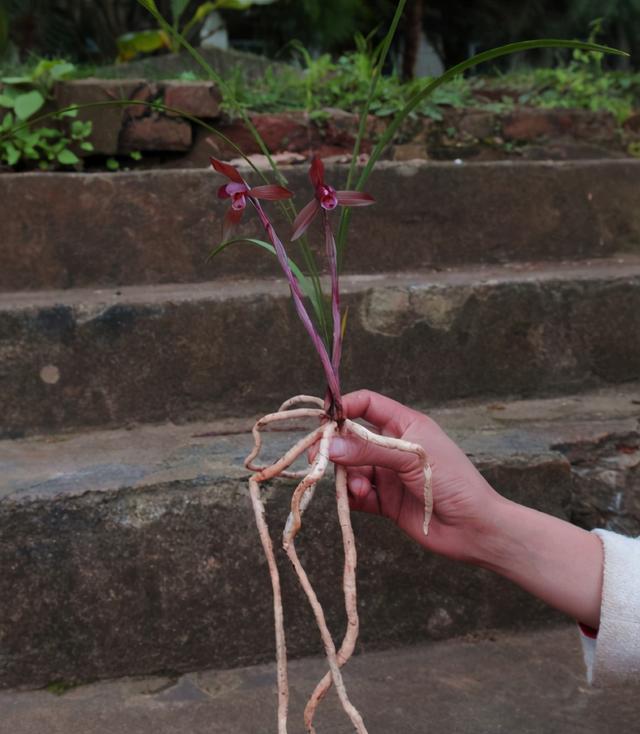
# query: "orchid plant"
{"type": "Point", "coordinates": [332, 421]}
{"type": "Point", "coordinates": [326, 331]}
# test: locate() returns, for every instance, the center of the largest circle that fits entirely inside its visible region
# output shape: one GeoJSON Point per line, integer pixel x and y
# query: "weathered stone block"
{"type": "Point", "coordinates": [200, 99]}
{"type": "Point", "coordinates": [155, 133]}
{"type": "Point", "coordinates": [632, 123]}
{"type": "Point", "coordinates": [106, 120]}
{"type": "Point", "coordinates": [116, 229]}
{"type": "Point", "coordinates": [530, 124]}
{"type": "Point", "coordinates": [435, 337]}
{"type": "Point", "coordinates": [478, 124]}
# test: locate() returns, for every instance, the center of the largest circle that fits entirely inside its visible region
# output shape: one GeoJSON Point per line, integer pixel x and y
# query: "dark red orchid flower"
{"type": "Point", "coordinates": [239, 191]}
{"type": "Point", "coordinates": [326, 197]}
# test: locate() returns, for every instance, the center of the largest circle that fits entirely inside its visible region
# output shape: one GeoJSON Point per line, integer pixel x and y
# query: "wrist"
{"type": "Point", "coordinates": [496, 549]}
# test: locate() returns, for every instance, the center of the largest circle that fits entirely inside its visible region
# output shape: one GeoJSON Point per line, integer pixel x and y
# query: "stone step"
{"type": "Point", "coordinates": [67, 230]}
{"type": "Point", "coordinates": [528, 683]}
{"type": "Point", "coordinates": [189, 352]}
{"type": "Point", "coordinates": [134, 552]}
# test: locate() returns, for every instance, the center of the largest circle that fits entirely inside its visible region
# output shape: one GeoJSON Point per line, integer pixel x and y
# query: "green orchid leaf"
{"type": "Point", "coordinates": [28, 104]}
{"type": "Point", "coordinates": [305, 283]}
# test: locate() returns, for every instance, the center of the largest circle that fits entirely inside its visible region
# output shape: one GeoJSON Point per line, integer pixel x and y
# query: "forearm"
{"type": "Point", "coordinates": [548, 557]}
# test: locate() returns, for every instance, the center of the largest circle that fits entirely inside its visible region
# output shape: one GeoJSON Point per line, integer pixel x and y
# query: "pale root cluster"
{"type": "Point", "coordinates": [300, 500]}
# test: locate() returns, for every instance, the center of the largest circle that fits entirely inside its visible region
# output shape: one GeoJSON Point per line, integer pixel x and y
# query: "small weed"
{"type": "Point", "coordinates": [59, 687]}
{"type": "Point", "coordinates": [344, 84]}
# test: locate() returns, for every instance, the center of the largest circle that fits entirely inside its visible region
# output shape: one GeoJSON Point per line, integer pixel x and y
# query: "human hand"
{"type": "Point", "coordinates": [549, 557]}
{"type": "Point", "coordinates": [390, 482]}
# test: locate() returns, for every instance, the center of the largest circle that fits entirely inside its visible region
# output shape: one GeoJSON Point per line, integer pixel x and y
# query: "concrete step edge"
{"type": "Point", "coordinates": [621, 265]}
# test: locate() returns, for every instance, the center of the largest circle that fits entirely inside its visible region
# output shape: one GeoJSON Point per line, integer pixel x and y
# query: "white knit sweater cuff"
{"type": "Point", "coordinates": [614, 656]}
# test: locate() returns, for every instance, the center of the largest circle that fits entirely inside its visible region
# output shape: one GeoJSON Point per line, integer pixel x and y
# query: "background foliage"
{"type": "Point", "coordinates": [86, 30]}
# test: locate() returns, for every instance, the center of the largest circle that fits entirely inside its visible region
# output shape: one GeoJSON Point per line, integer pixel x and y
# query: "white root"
{"type": "Point", "coordinates": [389, 442]}
{"type": "Point", "coordinates": [278, 614]}
{"type": "Point", "coordinates": [350, 596]}
{"type": "Point", "coordinates": [304, 491]}
{"type": "Point", "coordinates": [272, 418]}
{"type": "Point", "coordinates": [299, 502]}
{"type": "Point", "coordinates": [329, 648]}
{"type": "Point", "coordinates": [298, 399]}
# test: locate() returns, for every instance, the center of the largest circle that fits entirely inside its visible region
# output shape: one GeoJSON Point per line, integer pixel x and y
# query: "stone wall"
{"type": "Point", "coordinates": [166, 138]}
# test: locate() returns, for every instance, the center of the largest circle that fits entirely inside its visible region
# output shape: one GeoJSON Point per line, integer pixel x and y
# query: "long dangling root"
{"type": "Point", "coordinates": [299, 502]}
{"type": "Point", "coordinates": [281, 647]}
{"type": "Point", "coordinates": [350, 597]}
{"type": "Point", "coordinates": [329, 647]}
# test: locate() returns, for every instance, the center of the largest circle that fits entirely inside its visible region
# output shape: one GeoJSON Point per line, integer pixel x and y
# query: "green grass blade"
{"type": "Point", "coordinates": [345, 215]}
{"type": "Point", "coordinates": [364, 114]}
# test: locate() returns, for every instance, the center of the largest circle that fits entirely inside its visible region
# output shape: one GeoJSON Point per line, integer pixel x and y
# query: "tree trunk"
{"type": "Point", "coordinates": [412, 32]}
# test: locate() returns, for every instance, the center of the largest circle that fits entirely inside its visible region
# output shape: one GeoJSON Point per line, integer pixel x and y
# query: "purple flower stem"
{"type": "Point", "coordinates": [332, 259]}
{"type": "Point", "coordinates": [296, 293]}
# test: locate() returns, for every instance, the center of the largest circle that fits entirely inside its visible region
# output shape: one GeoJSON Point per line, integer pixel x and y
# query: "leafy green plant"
{"type": "Point", "coordinates": [21, 97]}
{"type": "Point", "coordinates": [113, 164]}
{"type": "Point", "coordinates": [582, 84]}
{"type": "Point", "coordinates": [135, 43]}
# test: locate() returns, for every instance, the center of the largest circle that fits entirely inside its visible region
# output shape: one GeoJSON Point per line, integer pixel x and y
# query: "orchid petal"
{"type": "Point", "coordinates": [236, 188]}
{"type": "Point", "coordinates": [239, 202]}
{"type": "Point", "coordinates": [304, 218]}
{"type": "Point", "coordinates": [316, 172]}
{"type": "Point", "coordinates": [231, 219]}
{"type": "Point", "coordinates": [223, 193]}
{"type": "Point", "coordinates": [226, 170]}
{"type": "Point", "coordinates": [354, 198]}
{"type": "Point", "coordinates": [271, 192]}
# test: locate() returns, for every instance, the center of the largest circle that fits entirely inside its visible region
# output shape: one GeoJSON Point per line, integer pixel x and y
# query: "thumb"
{"type": "Point", "coordinates": [354, 451]}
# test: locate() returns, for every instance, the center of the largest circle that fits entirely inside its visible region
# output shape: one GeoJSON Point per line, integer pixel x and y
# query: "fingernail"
{"type": "Point", "coordinates": [338, 448]}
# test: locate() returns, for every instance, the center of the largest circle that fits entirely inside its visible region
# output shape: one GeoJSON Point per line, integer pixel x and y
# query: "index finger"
{"type": "Point", "coordinates": [382, 412]}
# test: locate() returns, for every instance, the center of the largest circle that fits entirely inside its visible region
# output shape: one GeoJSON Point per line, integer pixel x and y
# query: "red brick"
{"type": "Point", "coordinates": [107, 120]}
{"type": "Point", "coordinates": [200, 99]}
{"type": "Point", "coordinates": [156, 133]}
